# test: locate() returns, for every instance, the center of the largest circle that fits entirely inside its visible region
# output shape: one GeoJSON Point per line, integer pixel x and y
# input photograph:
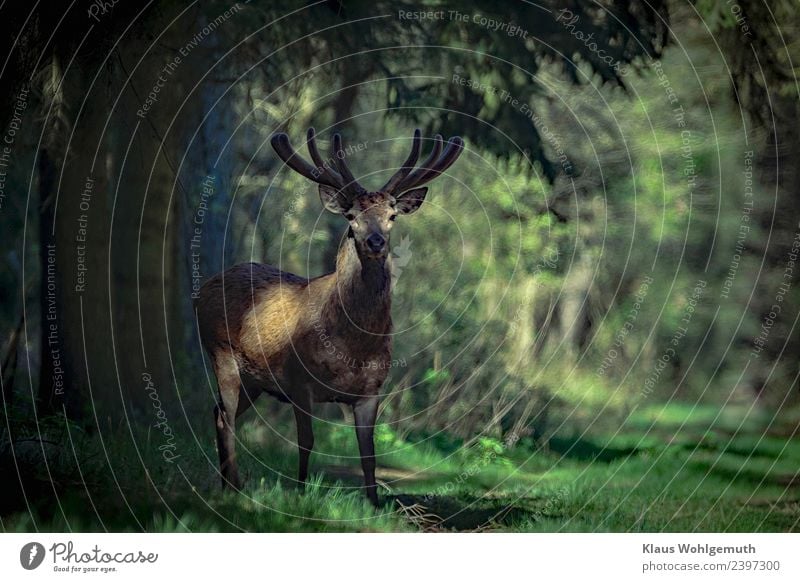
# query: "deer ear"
{"type": "Point", "coordinates": [410, 201]}
{"type": "Point", "coordinates": [332, 199]}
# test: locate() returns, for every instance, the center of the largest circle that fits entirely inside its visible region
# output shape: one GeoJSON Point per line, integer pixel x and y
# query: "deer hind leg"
{"type": "Point", "coordinates": [305, 438]}
{"type": "Point", "coordinates": [365, 412]}
{"type": "Point", "coordinates": [225, 414]}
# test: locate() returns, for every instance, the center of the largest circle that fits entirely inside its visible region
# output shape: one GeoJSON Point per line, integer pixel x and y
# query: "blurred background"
{"type": "Point", "coordinates": [595, 309]}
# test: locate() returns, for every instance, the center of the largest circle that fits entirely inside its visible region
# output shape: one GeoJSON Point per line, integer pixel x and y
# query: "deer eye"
{"type": "Point", "coordinates": [393, 217]}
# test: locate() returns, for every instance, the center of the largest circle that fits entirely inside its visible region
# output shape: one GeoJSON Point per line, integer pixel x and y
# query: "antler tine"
{"type": "Point", "coordinates": [407, 166]}
{"type": "Point", "coordinates": [434, 165]}
{"type": "Point", "coordinates": [349, 181]}
{"type": "Point", "coordinates": [282, 146]}
{"type": "Point", "coordinates": [454, 148]}
{"type": "Point", "coordinates": [311, 141]}
{"type": "Point", "coordinates": [426, 165]}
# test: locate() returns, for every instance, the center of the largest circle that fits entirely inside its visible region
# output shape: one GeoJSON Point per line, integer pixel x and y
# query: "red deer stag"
{"type": "Point", "coordinates": [327, 339]}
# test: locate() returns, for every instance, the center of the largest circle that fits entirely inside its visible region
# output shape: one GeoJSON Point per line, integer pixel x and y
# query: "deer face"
{"type": "Point", "coordinates": [371, 216]}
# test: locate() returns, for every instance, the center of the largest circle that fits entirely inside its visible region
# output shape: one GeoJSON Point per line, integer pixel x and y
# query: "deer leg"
{"type": "Point", "coordinates": [365, 412]}
{"type": "Point", "coordinates": [225, 418]}
{"type": "Point", "coordinates": [305, 440]}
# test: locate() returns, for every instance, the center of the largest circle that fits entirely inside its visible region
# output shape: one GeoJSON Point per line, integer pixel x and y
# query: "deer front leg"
{"type": "Point", "coordinates": [305, 439]}
{"type": "Point", "coordinates": [365, 412]}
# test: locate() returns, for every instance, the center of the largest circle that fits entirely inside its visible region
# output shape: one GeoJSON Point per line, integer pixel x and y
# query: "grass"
{"type": "Point", "coordinates": [666, 468]}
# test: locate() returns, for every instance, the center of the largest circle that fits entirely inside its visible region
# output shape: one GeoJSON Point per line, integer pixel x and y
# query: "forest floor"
{"type": "Point", "coordinates": [667, 468]}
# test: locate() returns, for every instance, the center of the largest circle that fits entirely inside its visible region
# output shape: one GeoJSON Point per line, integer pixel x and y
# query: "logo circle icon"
{"type": "Point", "coordinates": [31, 555]}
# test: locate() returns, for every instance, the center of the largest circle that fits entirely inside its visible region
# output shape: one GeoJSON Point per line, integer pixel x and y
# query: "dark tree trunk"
{"type": "Point", "coordinates": [55, 390]}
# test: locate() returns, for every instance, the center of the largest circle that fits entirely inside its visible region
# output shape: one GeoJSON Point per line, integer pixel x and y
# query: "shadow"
{"type": "Point", "coordinates": [392, 476]}
{"type": "Point", "coordinates": [584, 450]}
{"type": "Point", "coordinates": [438, 513]}
{"type": "Point", "coordinates": [748, 475]}
{"type": "Point", "coordinates": [431, 512]}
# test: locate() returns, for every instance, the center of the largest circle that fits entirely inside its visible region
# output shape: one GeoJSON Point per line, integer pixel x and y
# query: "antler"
{"type": "Point", "coordinates": [321, 172]}
{"type": "Point", "coordinates": [404, 179]}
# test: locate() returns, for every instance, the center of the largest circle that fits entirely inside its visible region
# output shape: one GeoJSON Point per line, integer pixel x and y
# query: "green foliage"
{"type": "Point", "coordinates": [539, 289]}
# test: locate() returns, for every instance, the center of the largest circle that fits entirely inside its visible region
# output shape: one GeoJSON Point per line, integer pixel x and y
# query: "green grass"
{"type": "Point", "coordinates": [673, 468]}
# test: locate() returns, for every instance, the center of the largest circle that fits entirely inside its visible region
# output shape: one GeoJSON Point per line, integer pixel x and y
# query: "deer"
{"type": "Point", "coordinates": [314, 340]}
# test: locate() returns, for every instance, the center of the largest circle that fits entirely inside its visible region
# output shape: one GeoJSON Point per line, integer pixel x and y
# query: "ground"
{"type": "Point", "coordinates": [666, 468]}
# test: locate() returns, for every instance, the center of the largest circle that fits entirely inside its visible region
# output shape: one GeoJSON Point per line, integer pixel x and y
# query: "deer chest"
{"type": "Point", "coordinates": [339, 371]}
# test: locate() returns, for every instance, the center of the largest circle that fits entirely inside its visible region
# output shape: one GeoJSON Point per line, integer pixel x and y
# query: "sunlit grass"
{"type": "Point", "coordinates": [709, 477]}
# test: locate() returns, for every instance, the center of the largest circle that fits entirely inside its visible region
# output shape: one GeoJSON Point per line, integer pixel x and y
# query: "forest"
{"type": "Point", "coordinates": [594, 311]}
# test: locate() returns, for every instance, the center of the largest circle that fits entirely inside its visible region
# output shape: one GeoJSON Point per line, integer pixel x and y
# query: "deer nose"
{"type": "Point", "coordinates": [376, 242]}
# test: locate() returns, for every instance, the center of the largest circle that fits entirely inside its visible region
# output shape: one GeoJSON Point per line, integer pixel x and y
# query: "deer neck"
{"type": "Point", "coordinates": [361, 296]}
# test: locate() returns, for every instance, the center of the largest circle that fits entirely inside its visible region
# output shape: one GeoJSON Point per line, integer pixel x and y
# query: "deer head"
{"type": "Point", "coordinates": [370, 214]}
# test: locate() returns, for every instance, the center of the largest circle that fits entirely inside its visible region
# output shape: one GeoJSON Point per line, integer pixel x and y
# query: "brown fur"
{"type": "Point", "coordinates": [329, 336]}
{"type": "Point", "coordinates": [326, 339]}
